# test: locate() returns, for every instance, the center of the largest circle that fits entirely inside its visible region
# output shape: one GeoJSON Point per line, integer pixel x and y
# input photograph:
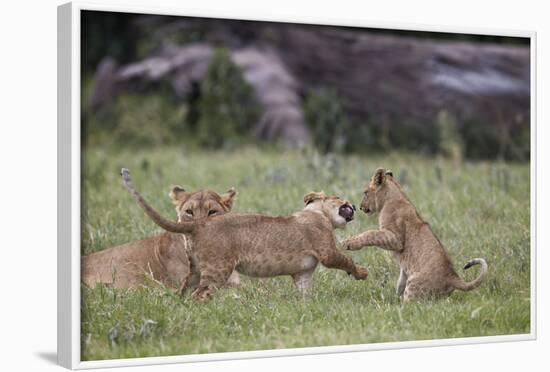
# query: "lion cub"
{"type": "Point", "coordinates": [264, 246]}
{"type": "Point", "coordinates": [165, 257]}
{"type": "Point", "coordinates": [426, 269]}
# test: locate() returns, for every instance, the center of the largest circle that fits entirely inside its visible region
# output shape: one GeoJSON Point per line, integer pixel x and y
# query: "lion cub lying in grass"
{"type": "Point", "coordinates": [165, 257]}
{"type": "Point", "coordinates": [264, 246]}
{"type": "Point", "coordinates": [426, 269]}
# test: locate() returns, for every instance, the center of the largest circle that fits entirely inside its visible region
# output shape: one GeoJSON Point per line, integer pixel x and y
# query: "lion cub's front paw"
{"type": "Point", "coordinates": [350, 245]}
{"type": "Point", "coordinates": [202, 294]}
{"type": "Point", "coordinates": [362, 273]}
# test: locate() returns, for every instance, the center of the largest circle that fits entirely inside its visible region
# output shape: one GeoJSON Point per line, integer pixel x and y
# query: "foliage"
{"type": "Point", "coordinates": [329, 126]}
{"type": "Point", "coordinates": [476, 209]}
{"type": "Point", "coordinates": [137, 120]}
{"type": "Point", "coordinates": [226, 109]}
{"type": "Point", "coordinates": [138, 123]}
{"type": "Point", "coordinates": [227, 105]}
{"type": "Point", "coordinates": [483, 141]}
{"type": "Point", "coordinates": [450, 141]}
{"type": "Point", "coordinates": [108, 34]}
{"type": "Point", "coordinates": [333, 131]}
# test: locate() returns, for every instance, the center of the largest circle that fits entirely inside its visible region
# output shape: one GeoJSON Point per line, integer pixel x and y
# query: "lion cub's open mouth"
{"type": "Point", "coordinates": [347, 212]}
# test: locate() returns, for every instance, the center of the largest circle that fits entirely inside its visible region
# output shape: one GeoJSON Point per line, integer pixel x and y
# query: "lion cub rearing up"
{"type": "Point", "coordinates": [426, 269]}
{"type": "Point", "coordinates": [264, 246]}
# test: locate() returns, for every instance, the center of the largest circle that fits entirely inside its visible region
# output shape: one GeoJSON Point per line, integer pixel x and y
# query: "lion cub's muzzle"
{"type": "Point", "coordinates": [347, 211]}
{"type": "Point", "coordinates": [367, 210]}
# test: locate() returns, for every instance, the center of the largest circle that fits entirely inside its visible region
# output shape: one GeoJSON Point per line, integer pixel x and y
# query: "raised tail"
{"type": "Point", "coordinates": [468, 286]}
{"type": "Point", "coordinates": [175, 227]}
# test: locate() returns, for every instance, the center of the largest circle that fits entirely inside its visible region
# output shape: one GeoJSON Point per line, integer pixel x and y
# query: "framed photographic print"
{"type": "Point", "coordinates": [240, 188]}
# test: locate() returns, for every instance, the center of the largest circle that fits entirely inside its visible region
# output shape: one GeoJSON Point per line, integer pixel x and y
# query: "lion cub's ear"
{"type": "Point", "coordinates": [389, 173]}
{"type": "Point", "coordinates": [312, 196]}
{"type": "Point", "coordinates": [379, 176]}
{"type": "Point", "coordinates": [178, 194]}
{"type": "Point", "coordinates": [228, 197]}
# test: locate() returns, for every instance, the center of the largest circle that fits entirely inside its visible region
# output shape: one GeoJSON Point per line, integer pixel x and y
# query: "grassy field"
{"type": "Point", "coordinates": [477, 209]}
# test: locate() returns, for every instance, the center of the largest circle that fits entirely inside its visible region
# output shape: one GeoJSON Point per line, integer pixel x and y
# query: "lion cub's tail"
{"type": "Point", "coordinates": [467, 286]}
{"type": "Point", "coordinates": [176, 227]}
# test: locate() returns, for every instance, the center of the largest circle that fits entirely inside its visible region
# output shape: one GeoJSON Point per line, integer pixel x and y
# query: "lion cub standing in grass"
{"type": "Point", "coordinates": [426, 269]}
{"type": "Point", "coordinates": [165, 257]}
{"type": "Point", "coordinates": [264, 246]}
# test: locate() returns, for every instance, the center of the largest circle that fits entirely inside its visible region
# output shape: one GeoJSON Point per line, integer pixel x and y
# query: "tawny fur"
{"type": "Point", "coordinates": [165, 258]}
{"type": "Point", "coordinates": [263, 246]}
{"type": "Point", "coordinates": [425, 267]}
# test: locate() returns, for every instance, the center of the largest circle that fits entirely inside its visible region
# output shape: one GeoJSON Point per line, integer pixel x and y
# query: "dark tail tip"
{"type": "Point", "coordinates": [468, 265]}
{"type": "Point", "coordinates": [125, 173]}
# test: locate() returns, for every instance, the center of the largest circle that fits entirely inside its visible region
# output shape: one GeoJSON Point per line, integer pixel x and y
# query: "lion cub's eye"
{"type": "Point", "coordinates": [189, 212]}
{"type": "Point", "coordinates": [211, 212]}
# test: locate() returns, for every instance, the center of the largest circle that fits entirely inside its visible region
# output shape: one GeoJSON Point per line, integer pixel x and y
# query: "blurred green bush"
{"type": "Point", "coordinates": [450, 141]}
{"type": "Point", "coordinates": [227, 106]}
{"type": "Point", "coordinates": [325, 117]}
{"type": "Point", "coordinates": [225, 110]}
{"type": "Point", "coordinates": [222, 116]}
{"type": "Point", "coordinates": [333, 131]}
{"type": "Point", "coordinates": [136, 120]}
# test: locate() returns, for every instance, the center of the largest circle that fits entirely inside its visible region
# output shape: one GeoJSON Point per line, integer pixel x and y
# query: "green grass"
{"type": "Point", "coordinates": [477, 210]}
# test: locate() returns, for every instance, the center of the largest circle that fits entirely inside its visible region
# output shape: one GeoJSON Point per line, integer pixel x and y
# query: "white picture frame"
{"type": "Point", "coordinates": [69, 190]}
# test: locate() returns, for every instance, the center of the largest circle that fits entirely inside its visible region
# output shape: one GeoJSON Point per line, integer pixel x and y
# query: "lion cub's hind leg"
{"type": "Point", "coordinates": [303, 282]}
{"type": "Point", "coordinates": [415, 287]}
{"type": "Point", "coordinates": [410, 294]}
{"type": "Point", "coordinates": [302, 279]}
{"type": "Point", "coordinates": [213, 275]}
{"type": "Point", "coordinates": [234, 280]}
{"type": "Point", "coordinates": [422, 287]}
{"type": "Point", "coordinates": [192, 281]}
{"type": "Point", "coordinates": [401, 283]}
